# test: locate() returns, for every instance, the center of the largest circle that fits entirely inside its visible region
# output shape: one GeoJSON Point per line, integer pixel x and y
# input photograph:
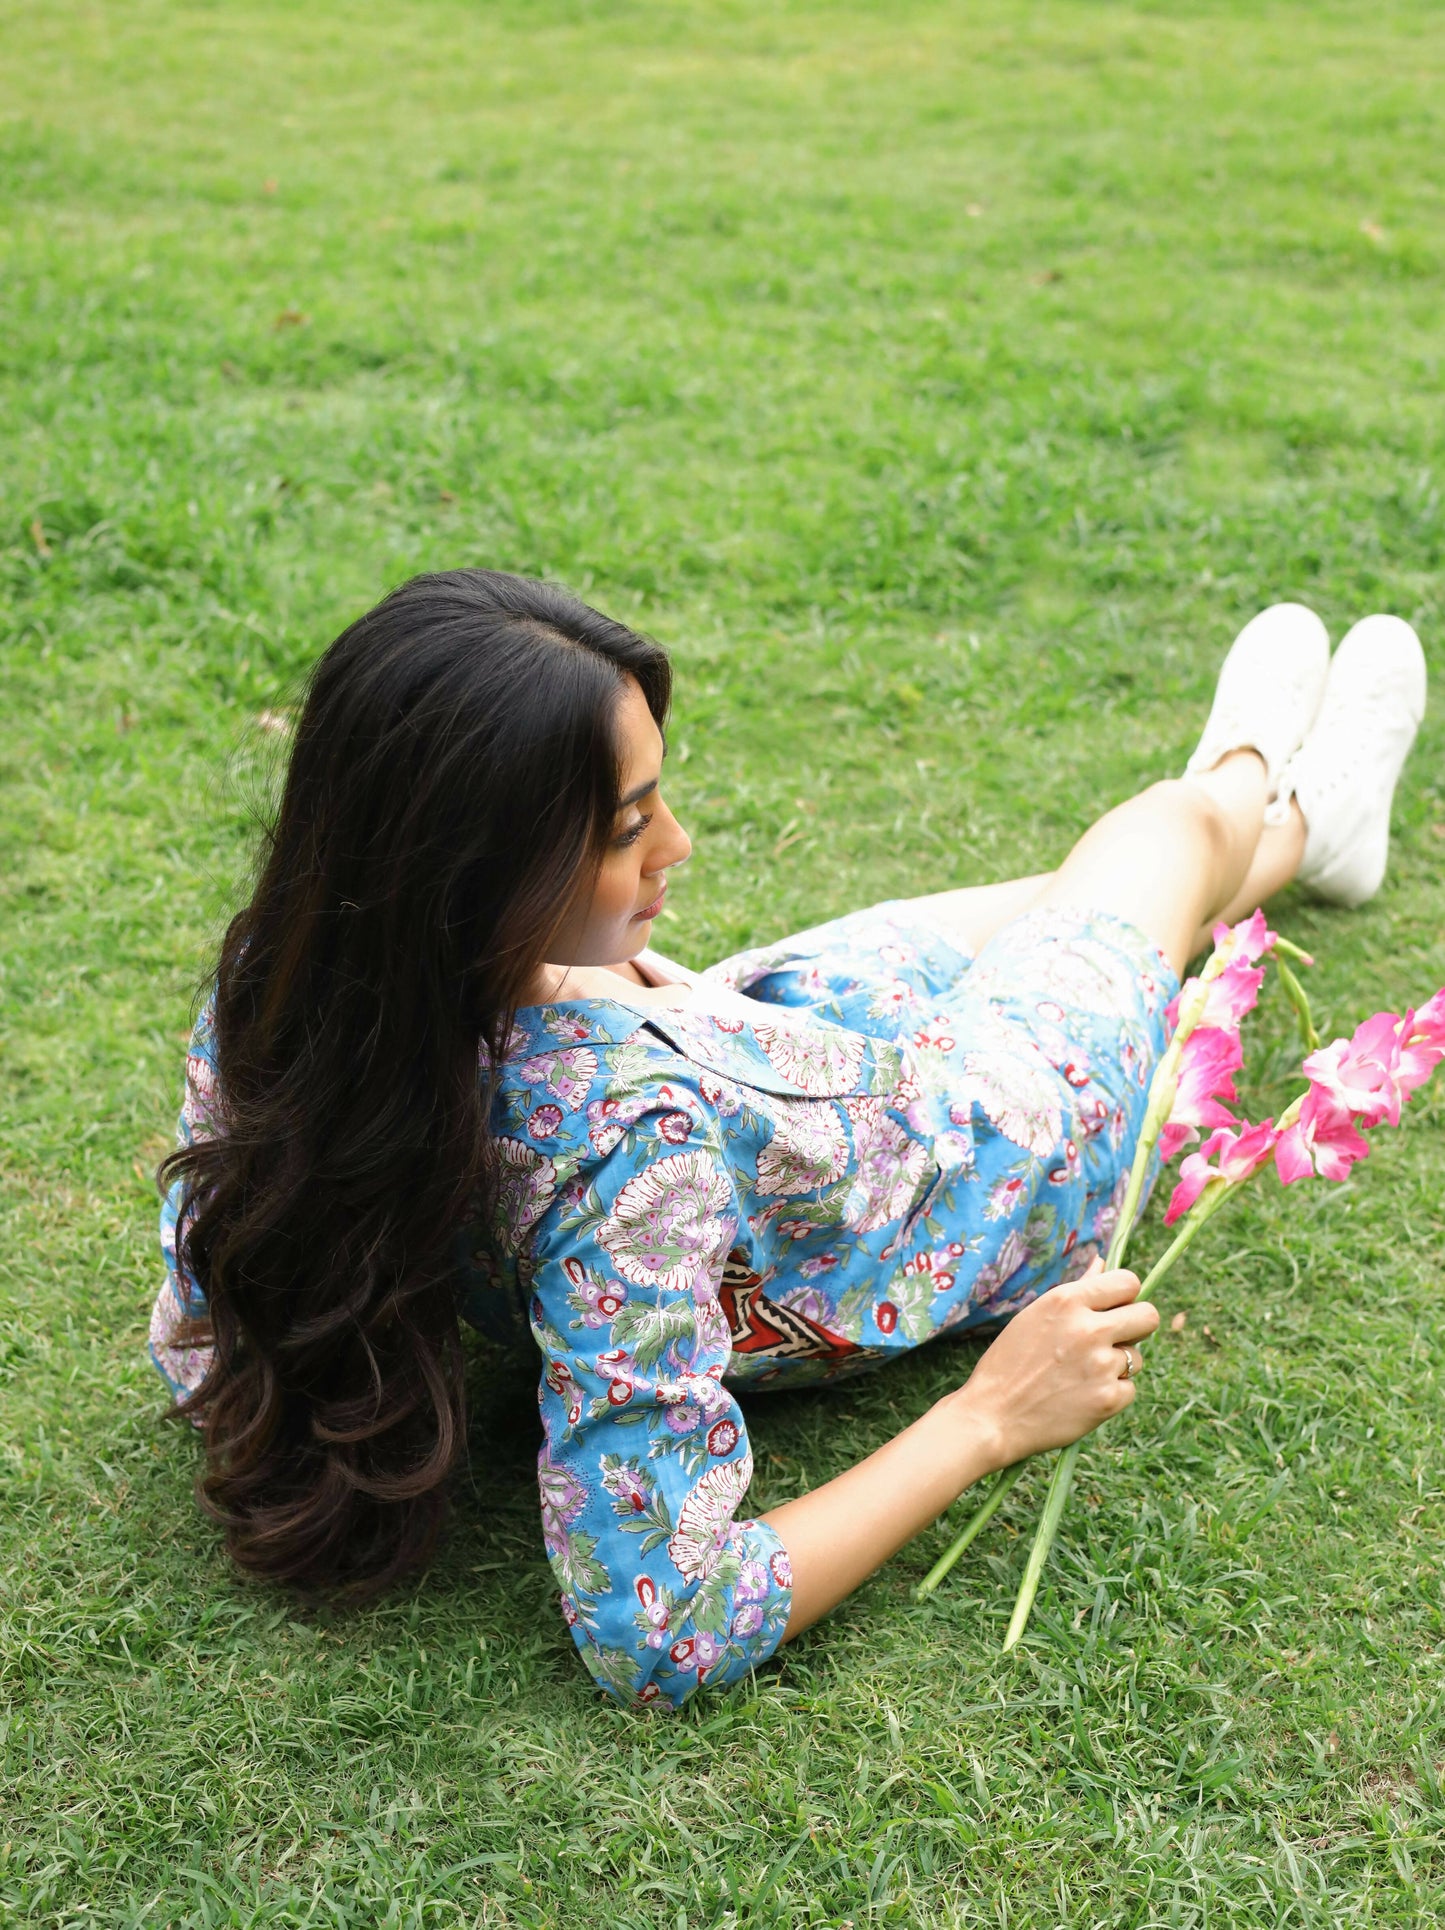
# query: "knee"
{"type": "Point", "coordinates": [1201, 821]}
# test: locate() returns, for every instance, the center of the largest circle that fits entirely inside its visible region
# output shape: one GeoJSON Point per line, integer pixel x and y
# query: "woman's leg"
{"type": "Point", "coordinates": [1176, 846]}
{"type": "Point", "coordinates": [1276, 860]}
{"type": "Point", "coordinates": [1178, 856]}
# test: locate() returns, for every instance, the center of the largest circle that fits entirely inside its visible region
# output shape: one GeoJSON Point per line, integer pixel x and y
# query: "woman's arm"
{"type": "Point", "coordinates": [1053, 1374]}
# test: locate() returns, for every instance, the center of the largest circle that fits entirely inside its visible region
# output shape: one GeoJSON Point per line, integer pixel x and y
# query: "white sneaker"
{"type": "Point", "coordinates": [1345, 772]}
{"type": "Point", "coordinates": [1269, 690]}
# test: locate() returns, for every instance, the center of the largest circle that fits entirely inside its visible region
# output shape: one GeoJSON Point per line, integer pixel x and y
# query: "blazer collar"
{"type": "Point", "coordinates": [774, 1048]}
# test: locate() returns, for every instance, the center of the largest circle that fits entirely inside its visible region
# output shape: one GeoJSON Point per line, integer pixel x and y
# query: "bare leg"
{"type": "Point", "coordinates": [1276, 860]}
{"type": "Point", "coordinates": [1144, 858]}
{"type": "Point", "coordinates": [1173, 858]}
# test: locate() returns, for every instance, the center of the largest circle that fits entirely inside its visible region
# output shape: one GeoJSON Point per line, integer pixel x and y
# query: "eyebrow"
{"type": "Point", "coordinates": [637, 793]}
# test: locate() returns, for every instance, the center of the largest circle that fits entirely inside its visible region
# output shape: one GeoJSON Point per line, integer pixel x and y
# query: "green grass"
{"type": "Point", "coordinates": [943, 384]}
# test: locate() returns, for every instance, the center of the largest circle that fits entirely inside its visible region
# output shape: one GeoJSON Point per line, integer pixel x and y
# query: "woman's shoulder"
{"type": "Point", "coordinates": [588, 1095]}
{"type": "Point", "coordinates": [576, 1070]}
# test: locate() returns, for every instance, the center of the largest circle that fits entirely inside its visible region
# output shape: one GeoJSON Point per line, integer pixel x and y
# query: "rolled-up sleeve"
{"type": "Point", "coordinates": [666, 1584]}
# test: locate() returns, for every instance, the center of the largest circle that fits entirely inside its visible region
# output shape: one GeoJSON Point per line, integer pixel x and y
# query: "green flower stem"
{"type": "Point", "coordinates": [977, 1522]}
{"type": "Point", "coordinates": [1129, 1211]}
{"type": "Point", "coordinates": [1063, 1475]}
{"type": "Point", "coordinates": [1048, 1528]}
{"type": "Point", "coordinates": [1203, 1210]}
{"type": "Point", "coordinates": [1299, 999]}
{"type": "Point", "coordinates": [1155, 1115]}
{"type": "Point", "coordinates": [981, 1517]}
{"type": "Point", "coordinates": [984, 1514]}
{"type": "Point", "coordinates": [1283, 948]}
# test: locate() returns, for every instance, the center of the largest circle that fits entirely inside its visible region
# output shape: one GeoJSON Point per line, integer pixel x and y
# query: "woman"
{"type": "Point", "coordinates": [442, 1080]}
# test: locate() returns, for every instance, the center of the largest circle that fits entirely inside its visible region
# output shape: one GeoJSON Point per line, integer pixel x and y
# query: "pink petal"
{"type": "Point", "coordinates": [1194, 1175]}
{"type": "Point", "coordinates": [1217, 1143]}
{"type": "Point", "coordinates": [1361, 1075]}
{"type": "Point", "coordinates": [1209, 1057]}
{"type": "Point", "coordinates": [1325, 1141]}
{"type": "Point", "coordinates": [1336, 1156]}
{"type": "Point", "coordinates": [1182, 1198]}
{"type": "Point", "coordinates": [1332, 1134]}
{"type": "Point", "coordinates": [1377, 1038]}
{"type": "Point", "coordinates": [1214, 1048]}
{"type": "Point", "coordinates": [1251, 1149]}
{"type": "Point", "coordinates": [1429, 1022]}
{"type": "Point", "coordinates": [1234, 993]}
{"type": "Point", "coordinates": [1422, 1043]}
{"type": "Point", "coordinates": [1417, 1062]}
{"type": "Point", "coordinates": [1250, 939]}
{"type": "Point", "coordinates": [1291, 1157]}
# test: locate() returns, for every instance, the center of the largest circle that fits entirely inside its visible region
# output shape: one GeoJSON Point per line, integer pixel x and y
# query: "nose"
{"type": "Point", "coordinates": [674, 846]}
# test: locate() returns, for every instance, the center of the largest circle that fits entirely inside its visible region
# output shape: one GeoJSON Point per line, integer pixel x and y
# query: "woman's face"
{"type": "Point", "coordinates": [646, 841]}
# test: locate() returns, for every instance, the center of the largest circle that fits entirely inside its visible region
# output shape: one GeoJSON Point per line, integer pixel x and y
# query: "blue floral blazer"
{"type": "Point", "coordinates": [764, 1189]}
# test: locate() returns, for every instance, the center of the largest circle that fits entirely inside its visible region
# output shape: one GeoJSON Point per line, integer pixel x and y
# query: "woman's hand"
{"type": "Point", "coordinates": [1055, 1371]}
{"type": "Point", "coordinates": [1058, 1369]}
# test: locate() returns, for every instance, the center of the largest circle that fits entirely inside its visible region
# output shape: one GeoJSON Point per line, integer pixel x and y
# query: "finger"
{"type": "Point", "coordinates": [1136, 1320]}
{"type": "Point", "coordinates": [1117, 1390]}
{"type": "Point", "coordinates": [1113, 1360]}
{"type": "Point", "coordinates": [1082, 1284]}
{"type": "Point", "coordinates": [1106, 1290]}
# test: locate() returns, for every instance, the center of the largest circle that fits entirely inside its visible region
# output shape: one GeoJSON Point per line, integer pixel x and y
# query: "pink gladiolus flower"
{"type": "Point", "coordinates": [1430, 1020]}
{"type": "Point", "coordinates": [1240, 1155]}
{"type": "Point", "coordinates": [1207, 1063]}
{"type": "Point", "coordinates": [1235, 992]}
{"type": "Point", "coordinates": [1360, 1081]}
{"type": "Point", "coordinates": [1234, 989]}
{"type": "Point", "coordinates": [1250, 939]}
{"type": "Point", "coordinates": [1361, 1075]}
{"type": "Point", "coordinates": [1323, 1140]}
{"type": "Point", "coordinates": [1422, 1042]}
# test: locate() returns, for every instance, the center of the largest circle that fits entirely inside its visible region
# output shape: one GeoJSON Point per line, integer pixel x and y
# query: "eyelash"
{"type": "Point", "coordinates": [631, 836]}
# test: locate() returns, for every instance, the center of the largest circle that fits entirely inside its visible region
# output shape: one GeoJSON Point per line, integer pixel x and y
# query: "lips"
{"type": "Point", "coordinates": [650, 911]}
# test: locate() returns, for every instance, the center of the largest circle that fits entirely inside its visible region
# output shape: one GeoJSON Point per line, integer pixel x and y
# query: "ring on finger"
{"type": "Point", "coordinates": [1132, 1363]}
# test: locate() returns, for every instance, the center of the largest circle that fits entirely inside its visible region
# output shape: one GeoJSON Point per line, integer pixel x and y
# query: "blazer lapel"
{"type": "Point", "coordinates": [773, 1048]}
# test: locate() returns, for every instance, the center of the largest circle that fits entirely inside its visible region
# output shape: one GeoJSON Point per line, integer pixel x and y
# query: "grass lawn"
{"type": "Point", "coordinates": [944, 384]}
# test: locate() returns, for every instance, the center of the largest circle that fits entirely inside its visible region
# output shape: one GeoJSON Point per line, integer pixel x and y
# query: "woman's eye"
{"type": "Point", "coordinates": [631, 835]}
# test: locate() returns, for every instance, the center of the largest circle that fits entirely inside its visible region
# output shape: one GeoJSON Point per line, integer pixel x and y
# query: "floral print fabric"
{"type": "Point", "coordinates": [841, 1146]}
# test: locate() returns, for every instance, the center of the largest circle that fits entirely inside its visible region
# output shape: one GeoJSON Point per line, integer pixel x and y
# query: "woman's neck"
{"type": "Point", "coordinates": [556, 982]}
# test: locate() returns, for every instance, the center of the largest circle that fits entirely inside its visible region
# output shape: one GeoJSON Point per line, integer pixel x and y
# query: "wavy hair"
{"type": "Point", "coordinates": [452, 784]}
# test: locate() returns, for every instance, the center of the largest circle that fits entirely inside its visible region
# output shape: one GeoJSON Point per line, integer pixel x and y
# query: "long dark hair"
{"type": "Point", "coordinates": [453, 781]}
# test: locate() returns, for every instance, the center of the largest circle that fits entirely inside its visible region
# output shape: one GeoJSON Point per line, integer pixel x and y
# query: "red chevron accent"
{"type": "Point", "coordinates": [759, 1326]}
